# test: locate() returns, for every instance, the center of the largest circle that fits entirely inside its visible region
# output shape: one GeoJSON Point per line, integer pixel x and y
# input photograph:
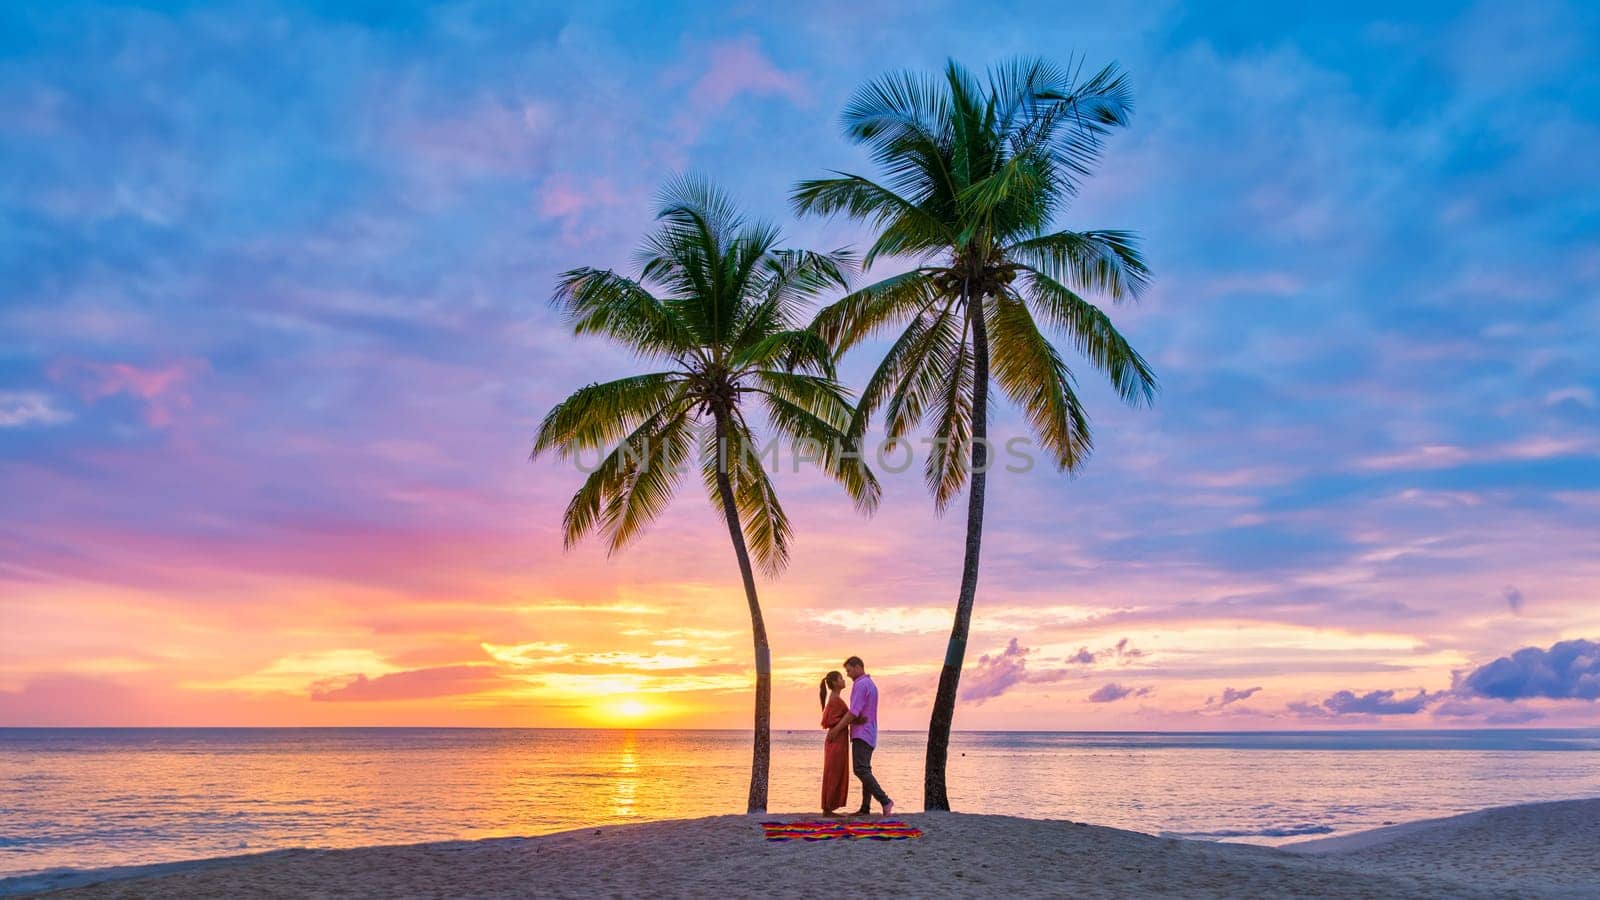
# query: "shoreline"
{"type": "Point", "coordinates": [1383, 834]}
{"type": "Point", "coordinates": [1534, 849]}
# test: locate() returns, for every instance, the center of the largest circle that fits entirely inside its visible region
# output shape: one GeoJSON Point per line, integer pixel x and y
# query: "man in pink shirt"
{"type": "Point", "coordinates": [862, 721]}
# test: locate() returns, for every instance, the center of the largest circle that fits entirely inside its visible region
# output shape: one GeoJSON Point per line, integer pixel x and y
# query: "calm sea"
{"type": "Point", "coordinates": [84, 798]}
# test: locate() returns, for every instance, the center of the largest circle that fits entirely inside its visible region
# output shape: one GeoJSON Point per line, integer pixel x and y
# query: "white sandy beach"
{"type": "Point", "coordinates": [1535, 850]}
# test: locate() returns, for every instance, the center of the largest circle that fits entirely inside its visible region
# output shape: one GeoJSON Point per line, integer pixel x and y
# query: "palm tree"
{"type": "Point", "coordinates": [716, 303]}
{"type": "Point", "coordinates": [974, 175]}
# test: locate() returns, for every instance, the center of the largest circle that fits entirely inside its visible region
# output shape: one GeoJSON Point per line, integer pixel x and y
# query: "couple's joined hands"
{"type": "Point", "coordinates": [843, 725]}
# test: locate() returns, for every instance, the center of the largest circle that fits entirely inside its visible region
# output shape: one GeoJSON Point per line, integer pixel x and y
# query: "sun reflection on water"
{"type": "Point", "coordinates": [625, 786]}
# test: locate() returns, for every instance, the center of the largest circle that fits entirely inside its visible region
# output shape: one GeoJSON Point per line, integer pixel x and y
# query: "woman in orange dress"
{"type": "Point", "coordinates": [836, 747]}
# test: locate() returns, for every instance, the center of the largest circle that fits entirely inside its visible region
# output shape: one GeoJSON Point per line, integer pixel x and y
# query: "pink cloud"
{"type": "Point", "coordinates": [564, 195]}
{"type": "Point", "coordinates": [733, 68]}
{"type": "Point", "coordinates": [160, 388]}
{"type": "Point", "coordinates": [739, 67]}
{"type": "Point", "coordinates": [53, 699]}
{"type": "Point", "coordinates": [489, 138]}
{"type": "Point", "coordinates": [1445, 456]}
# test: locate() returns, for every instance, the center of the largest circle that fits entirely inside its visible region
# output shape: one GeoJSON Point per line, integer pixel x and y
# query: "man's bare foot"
{"type": "Point", "coordinates": [864, 812]}
{"type": "Point", "coordinates": [888, 808]}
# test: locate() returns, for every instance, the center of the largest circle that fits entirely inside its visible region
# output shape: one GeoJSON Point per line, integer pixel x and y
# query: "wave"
{"type": "Point", "coordinates": [1269, 831]}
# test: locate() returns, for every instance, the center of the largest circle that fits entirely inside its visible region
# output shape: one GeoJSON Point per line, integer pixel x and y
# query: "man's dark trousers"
{"type": "Point", "coordinates": [861, 761]}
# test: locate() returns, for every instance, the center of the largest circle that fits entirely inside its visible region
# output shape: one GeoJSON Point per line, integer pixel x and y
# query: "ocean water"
{"type": "Point", "coordinates": [87, 798]}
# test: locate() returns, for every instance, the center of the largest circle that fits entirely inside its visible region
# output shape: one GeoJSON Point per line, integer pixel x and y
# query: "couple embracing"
{"type": "Point", "coordinates": [852, 736]}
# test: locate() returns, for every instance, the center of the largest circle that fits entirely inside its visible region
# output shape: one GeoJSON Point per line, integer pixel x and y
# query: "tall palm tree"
{"type": "Point", "coordinates": [974, 175]}
{"type": "Point", "coordinates": [716, 303]}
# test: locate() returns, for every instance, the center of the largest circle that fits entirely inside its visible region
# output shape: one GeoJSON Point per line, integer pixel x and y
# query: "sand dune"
{"type": "Point", "coordinates": [1539, 850]}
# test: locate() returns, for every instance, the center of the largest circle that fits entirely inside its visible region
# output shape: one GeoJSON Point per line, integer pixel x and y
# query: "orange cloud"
{"type": "Point", "coordinates": [444, 681]}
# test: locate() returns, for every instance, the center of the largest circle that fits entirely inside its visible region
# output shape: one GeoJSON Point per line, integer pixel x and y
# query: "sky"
{"type": "Point", "coordinates": [275, 337]}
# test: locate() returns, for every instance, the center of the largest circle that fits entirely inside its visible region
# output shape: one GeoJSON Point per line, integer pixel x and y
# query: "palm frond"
{"type": "Point", "coordinates": [818, 395]}
{"type": "Point", "coordinates": [598, 415]}
{"type": "Point", "coordinates": [1093, 335]}
{"type": "Point", "coordinates": [629, 486]}
{"type": "Point", "coordinates": [903, 117]}
{"type": "Point", "coordinates": [1033, 375]}
{"type": "Point", "coordinates": [761, 517]}
{"type": "Point", "coordinates": [692, 203]}
{"type": "Point", "coordinates": [599, 301]}
{"type": "Point", "coordinates": [787, 282]}
{"type": "Point", "coordinates": [643, 489]}
{"type": "Point", "coordinates": [907, 228]}
{"type": "Point", "coordinates": [1078, 116]}
{"type": "Point", "coordinates": [1015, 198]}
{"type": "Point", "coordinates": [859, 315]}
{"type": "Point", "coordinates": [822, 427]}
{"type": "Point", "coordinates": [1104, 261]}
{"type": "Point", "coordinates": [925, 372]}
{"type": "Point", "coordinates": [946, 469]}
{"type": "Point", "coordinates": [799, 349]}
{"type": "Point", "coordinates": [1016, 86]}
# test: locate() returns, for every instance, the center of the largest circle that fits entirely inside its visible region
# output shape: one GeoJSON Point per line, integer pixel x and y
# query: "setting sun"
{"type": "Point", "coordinates": [629, 710]}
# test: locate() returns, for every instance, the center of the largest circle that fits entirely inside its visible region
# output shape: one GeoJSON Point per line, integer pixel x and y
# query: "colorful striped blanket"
{"type": "Point", "coordinates": [885, 830]}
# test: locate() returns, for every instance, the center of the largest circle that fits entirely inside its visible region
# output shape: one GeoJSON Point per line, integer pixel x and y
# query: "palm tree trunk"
{"type": "Point", "coordinates": [934, 796]}
{"type": "Point", "coordinates": [761, 758]}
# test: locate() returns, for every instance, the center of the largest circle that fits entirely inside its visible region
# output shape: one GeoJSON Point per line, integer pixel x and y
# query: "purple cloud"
{"type": "Point", "coordinates": [1491, 712]}
{"type": "Point", "coordinates": [1110, 692]}
{"type": "Point", "coordinates": [1120, 650]}
{"type": "Point", "coordinates": [1231, 695]}
{"type": "Point", "coordinates": [996, 673]}
{"type": "Point", "coordinates": [1378, 703]}
{"type": "Point", "coordinates": [1568, 670]}
{"type": "Point", "coordinates": [1372, 703]}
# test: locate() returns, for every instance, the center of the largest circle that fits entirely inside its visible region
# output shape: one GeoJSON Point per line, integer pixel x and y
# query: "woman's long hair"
{"type": "Point", "coordinates": [822, 692]}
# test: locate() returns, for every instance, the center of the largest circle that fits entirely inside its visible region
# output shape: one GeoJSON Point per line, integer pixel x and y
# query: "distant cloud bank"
{"type": "Point", "coordinates": [1568, 670]}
